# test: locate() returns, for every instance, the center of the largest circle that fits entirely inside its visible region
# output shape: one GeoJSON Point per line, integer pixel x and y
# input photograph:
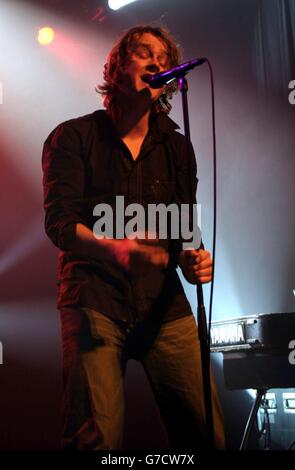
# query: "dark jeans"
{"type": "Point", "coordinates": [95, 353]}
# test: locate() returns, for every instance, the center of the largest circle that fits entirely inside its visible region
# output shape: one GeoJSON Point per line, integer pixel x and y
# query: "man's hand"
{"type": "Point", "coordinates": [196, 266]}
{"type": "Point", "coordinates": [139, 256]}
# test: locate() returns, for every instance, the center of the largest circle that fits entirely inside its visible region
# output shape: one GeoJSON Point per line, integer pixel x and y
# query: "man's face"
{"type": "Point", "coordinates": [148, 56]}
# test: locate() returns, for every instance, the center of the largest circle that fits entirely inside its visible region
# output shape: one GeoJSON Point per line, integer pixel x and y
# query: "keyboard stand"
{"type": "Point", "coordinates": [253, 413]}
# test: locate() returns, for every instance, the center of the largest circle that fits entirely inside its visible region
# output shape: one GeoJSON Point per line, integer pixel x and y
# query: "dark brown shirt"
{"type": "Point", "coordinates": [86, 163]}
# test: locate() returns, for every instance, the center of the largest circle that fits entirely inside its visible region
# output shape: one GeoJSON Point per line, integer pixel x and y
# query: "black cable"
{"type": "Point", "coordinates": [267, 438]}
{"type": "Point", "coordinates": [267, 432]}
{"type": "Point", "coordinates": [214, 202]}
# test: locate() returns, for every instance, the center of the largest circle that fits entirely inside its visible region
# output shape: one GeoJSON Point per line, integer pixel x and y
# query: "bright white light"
{"type": "Point", "coordinates": [116, 4]}
{"type": "Point", "coordinates": [252, 393]}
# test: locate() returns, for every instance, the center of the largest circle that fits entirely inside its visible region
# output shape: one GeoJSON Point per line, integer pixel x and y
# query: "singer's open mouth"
{"type": "Point", "coordinates": [145, 77]}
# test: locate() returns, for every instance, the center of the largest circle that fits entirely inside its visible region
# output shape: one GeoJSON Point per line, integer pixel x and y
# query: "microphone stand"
{"type": "Point", "coordinates": [201, 317]}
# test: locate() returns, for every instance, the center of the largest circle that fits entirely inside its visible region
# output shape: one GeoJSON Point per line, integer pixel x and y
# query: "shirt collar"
{"type": "Point", "coordinates": [161, 126]}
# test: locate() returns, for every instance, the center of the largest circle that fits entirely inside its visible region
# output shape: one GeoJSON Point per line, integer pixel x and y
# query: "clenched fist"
{"type": "Point", "coordinates": [196, 266]}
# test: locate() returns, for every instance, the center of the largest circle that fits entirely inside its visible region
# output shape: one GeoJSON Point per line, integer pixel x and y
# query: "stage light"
{"type": "Point", "coordinates": [45, 36]}
{"type": "Point", "coordinates": [116, 4]}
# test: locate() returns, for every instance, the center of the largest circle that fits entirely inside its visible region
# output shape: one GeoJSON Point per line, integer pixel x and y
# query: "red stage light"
{"type": "Point", "coordinates": [45, 35]}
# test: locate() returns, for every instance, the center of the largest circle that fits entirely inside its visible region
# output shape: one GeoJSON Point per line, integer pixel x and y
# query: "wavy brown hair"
{"type": "Point", "coordinates": [119, 56]}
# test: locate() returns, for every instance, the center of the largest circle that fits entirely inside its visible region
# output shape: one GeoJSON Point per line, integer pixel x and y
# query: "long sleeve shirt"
{"type": "Point", "coordinates": [85, 163]}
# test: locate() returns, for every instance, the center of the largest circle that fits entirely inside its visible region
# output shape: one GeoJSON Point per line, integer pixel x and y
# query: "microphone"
{"type": "Point", "coordinates": [158, 80]}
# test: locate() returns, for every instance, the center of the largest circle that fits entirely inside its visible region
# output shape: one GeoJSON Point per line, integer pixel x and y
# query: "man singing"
{"type": "Point", "coordinates": [121, 298]}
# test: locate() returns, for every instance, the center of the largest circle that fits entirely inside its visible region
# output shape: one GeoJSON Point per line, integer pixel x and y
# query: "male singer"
{"type": "Point", "coordinates": [121, 298]}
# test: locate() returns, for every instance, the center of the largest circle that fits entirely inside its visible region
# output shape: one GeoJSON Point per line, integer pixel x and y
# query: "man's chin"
{"type": "Point", "coordinates": [144, 94]}
{"type": "Point", "coordinates": [145, 91]}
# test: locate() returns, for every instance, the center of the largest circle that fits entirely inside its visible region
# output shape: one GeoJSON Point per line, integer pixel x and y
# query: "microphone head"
{"type": "Point", "coordinates": [154, 80]}
{"type": "Point", "coordinates": [158, 80]}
